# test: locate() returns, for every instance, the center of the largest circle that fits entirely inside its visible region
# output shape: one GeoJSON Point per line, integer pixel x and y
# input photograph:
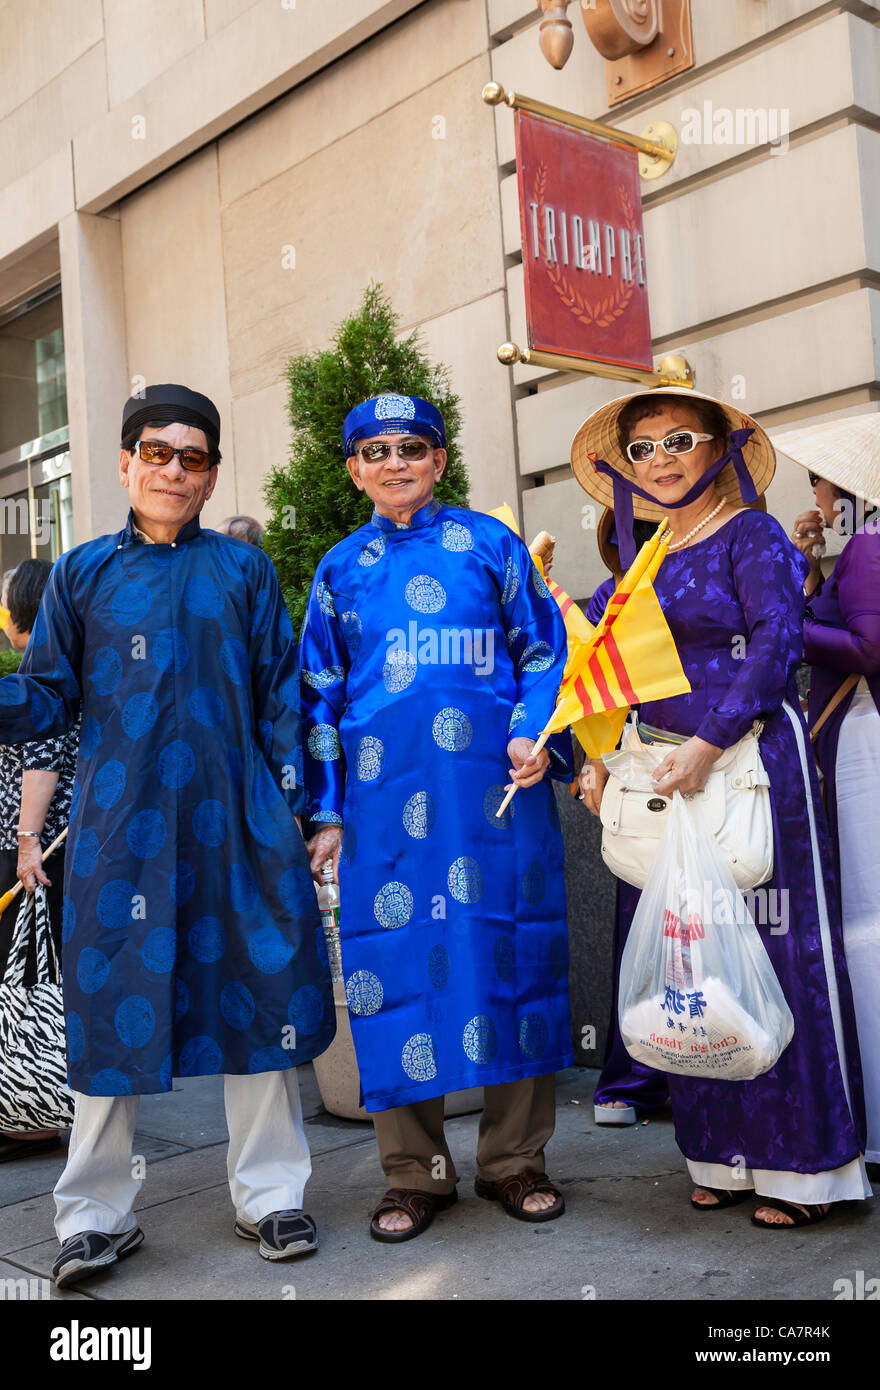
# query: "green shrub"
{"type": "Point", "coordinates": [9, 662]}
{"type": "Point", "coordinates": [314, 487]}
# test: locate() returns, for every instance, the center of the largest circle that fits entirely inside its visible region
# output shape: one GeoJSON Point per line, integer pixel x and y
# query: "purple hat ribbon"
{"type": "Point", "coordinates": [624, 488]}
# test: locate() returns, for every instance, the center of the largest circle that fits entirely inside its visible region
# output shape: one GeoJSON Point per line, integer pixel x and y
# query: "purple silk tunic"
{"type": "Point", "coordinates": [734, 603]}
{"type": "Point", "coordinates": [844, 637]}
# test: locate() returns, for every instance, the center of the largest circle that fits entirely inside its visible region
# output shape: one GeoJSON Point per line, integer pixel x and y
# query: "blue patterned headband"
{"type": "Point", "coordinates": [625, 488]}
{"type": "Point", "coordinates": [392, 414]}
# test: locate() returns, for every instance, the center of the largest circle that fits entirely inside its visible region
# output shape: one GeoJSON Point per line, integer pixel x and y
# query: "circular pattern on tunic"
{"type": "Point", "coordinates": [170, 650]}
{"type": "Point", "coordinates": [465, 880]}
{"type": "Point", "coordinates": [393, 905]}
{"type": "Point", "coordinates": [452, 729]}
{"type": "Point", "coordinates": [200, 1056]}
{"type": "Point", "coordinates": [352, 629]}
{"type": "Point", "coordinates": [130, 603]}
{"type": "Point", "coordinates": [538, 657]}
{"type": "Point", "coordinates": [399, 671]}
{"type": "Point", "coordinates": [68, 919]}
{"type": "Point", "coordinates": [135, 1021]}
{"type": "Point", "coordinates": [92, 969]}
{"type": "Point", "coordinates": [491, 801]}
{"type": "Point", "coordinates": [269, 950]}
{"type": "Point", "coordinates": [369, 759]}
{"type": "Point", "coordinates": [419, 814]}
{"type": "Point", "coordinates": [511, 582]}
{"type": "Point", "coordinates": [237, 1005]}
{"type": "Point", "coordinates": [109, 783]}
{"type": "Point", "coordinates": [419, 1057]}
{"type": "Point", "coordinates": [364, 993]}
{"type": "Point", "coordinates": [320, 680]}
{"type": "Point", "coordinates": [324, 743]}
{"type": "Point", "coordinates": [241, 887]}
{"type": "Point", "coordinates": [306, 1010]}
{"type": "Point", "coordinates": [210, 823]}
{"type": "Point", "coordinates": [106, 672]}
{"type": "Point", "coordinates": [116, 903]}
{"type": "Point", "coordinates": [110, 1082]}
{"type": "Point", "coordinates": [454, 536]}
{"type": "Point", "coordinates": [269, 1059]}
{"type": "Point", "coordinates": [206, 707]}
{"type": "Point", "coordinates": [512, 636]}
{"type": "Point", "coordinates": [480, 1039]}
{"type": "Point", "coordinates": [182, 883]}
{"type": "Point", "coordinates": [177, 764]}
{"type": "Point", "coordinates": [207, 939]}
{"type": "Point", "coordinates": [535, 882]}
{"type": "Point", "coordinates": [425, 594]}
{"type": "Point", "coordinates": [505, 958]}
{"type": "Point", "coordinates": [85, 854]}
{"type": "Point", "coordinates": [518, 715]}
{"type": "Point", "coordinates": [325, 598]}
{"type": "Point", "coordinates": [139, 714]}
{"type": "Point", "coordinates": [202, 597]}
{"type": "Point", "coordinates": [146, 834]}
{"type": "Point", "coordinates": [534, 1035]}
{"type": "Point", "coordinates": [538, 583]}
{"type": "Point", "coordinates": [372, 551]}
{"type": "Point", "coordinates": [159, 950]}
{"type": "Point", "coordinates": [234, 660]}
{"type": "Point", "coordinates": [76, 1037]}
{"type": "Point", "coordinates": [438, 966]}
{"type": "Point", "coordinates": [89, 736]}
{"type": "Point", "coordinates": [297, 890]}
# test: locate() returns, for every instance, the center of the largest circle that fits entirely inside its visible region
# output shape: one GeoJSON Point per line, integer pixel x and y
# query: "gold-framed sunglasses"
{"type": "Point", "coordinates": [157, 452]}
{"type": "Point", "coordinates": [679, 442]}
{"type": "Point", "coordinates": [410, 450]}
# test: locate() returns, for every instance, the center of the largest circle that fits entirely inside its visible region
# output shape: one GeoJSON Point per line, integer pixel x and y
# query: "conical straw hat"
{"type": "Point", "coordinates": [597, 436]}
{"type": "Point", "coordinates": [845, 452]}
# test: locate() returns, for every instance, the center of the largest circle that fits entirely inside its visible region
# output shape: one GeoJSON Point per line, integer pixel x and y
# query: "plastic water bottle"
{"type": "Point", "coordinates": [328, 902]}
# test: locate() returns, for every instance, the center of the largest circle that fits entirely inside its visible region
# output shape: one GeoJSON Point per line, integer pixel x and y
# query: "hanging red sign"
{"type": "Point", "coordinates": [583, 244]}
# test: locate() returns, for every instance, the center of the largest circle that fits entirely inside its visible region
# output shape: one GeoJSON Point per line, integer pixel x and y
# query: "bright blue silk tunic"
{"type": "Point", "coordinates": [192, 939]}
{"type": "Point", "coordinates": [424, 650]}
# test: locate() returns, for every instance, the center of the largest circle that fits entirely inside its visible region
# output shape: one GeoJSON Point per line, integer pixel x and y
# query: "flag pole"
{"type": "Point", "coordinates": [542, 739]}
{"type": "Point", "coordinates": [13, 893]}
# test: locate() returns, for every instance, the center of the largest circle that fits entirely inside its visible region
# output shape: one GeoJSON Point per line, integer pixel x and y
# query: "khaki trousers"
{"type": "Point", "coordinates": [518, 1119]}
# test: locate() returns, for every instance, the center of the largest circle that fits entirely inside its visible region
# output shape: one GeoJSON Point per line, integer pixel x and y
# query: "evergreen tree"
{"type": "Point", "coordinates": [313, 502]}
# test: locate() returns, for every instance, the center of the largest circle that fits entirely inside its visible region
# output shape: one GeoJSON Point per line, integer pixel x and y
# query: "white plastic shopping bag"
{"type": "Point", "coordinates": [698, 994]}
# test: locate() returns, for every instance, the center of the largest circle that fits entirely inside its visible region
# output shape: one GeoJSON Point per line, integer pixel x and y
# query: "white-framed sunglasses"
{"type": "Point", "coordinates": [679, 442]}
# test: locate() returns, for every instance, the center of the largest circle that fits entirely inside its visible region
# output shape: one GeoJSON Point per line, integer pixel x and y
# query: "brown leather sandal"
{"type": "Point", "coordinates": [420, 1207]}
{"type": "Point", "coordinates": [511, 1193]}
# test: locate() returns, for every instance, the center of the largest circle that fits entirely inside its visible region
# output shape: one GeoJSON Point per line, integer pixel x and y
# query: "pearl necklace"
{"type": "Point", "coordinates": [705, 522]}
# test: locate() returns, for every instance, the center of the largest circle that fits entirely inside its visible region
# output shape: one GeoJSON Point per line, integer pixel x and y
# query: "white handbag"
{"type": "Point", "coordinates": [735, 800]}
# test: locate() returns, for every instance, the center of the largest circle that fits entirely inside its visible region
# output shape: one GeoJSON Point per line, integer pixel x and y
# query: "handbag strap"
{"type": "Point", "coordinates": [45, 944]}
{"type": "Point", "coordinates": [840, 694]}
{"type": "Point", "coordinates": [34, 906]}
{"type": "Point", "coordinates": [18, 947]}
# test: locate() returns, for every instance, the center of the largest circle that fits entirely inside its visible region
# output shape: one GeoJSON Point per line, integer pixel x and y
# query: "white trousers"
{"type": "Point", "coordinates": [858, 818]}
{"type": "Point", "coordinates": [267, 1161]}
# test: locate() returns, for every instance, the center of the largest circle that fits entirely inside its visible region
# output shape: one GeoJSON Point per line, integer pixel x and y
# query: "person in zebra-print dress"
{"type": "Point", "coordinates": [35, 788]}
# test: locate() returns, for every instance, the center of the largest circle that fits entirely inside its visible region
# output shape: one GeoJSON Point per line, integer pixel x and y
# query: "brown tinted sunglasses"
{"type": "Point", "coordinates": [159, 453]}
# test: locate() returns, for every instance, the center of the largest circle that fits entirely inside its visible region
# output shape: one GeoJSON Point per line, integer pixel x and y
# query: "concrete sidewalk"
{"type": "Point", "coordinates": [629, 1231]}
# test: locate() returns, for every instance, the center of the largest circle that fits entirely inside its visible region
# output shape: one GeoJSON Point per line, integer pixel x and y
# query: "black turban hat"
{"type": "Point", "coordinates": [174, 405]}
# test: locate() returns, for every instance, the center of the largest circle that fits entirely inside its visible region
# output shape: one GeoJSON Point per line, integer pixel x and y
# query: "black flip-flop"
{"type": "Point", "coordinates": [723, 1199]}
{"type": "Point", "coordinates": [420, 1207]}
{"type": "Point", "coordinates": [810, 1217]}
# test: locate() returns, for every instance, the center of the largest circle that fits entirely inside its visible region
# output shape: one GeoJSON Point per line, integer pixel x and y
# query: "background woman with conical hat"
{"type": "Point", "coordinates": [731, 588]}
{"type": "Point", "coordinates": [842, 644]}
